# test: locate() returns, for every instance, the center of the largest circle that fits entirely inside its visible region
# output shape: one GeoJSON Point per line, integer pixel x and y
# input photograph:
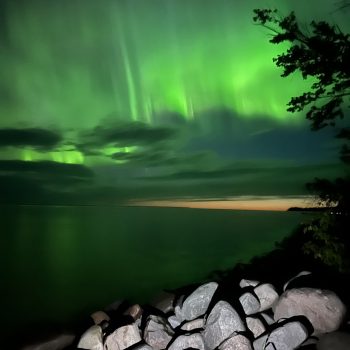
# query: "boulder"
{"type": "Point", "coordinates": [222, 322]}
{"type": "Point", "coordinates": [174, 321]}
{"type": "Point", "coordinates": [91, 339]}
{"type": "Point", "coordinates": [248, 283]}
{"type": "Point", "coordinates": [322, 308]}
{"type": "Point", "coordinates": [196, 304]}
{"type": "Point", "coordinates": [267, 296]}
{"type": "Point", "coordinates": [194, 341]}
{"type": "Point", "coordinates": [142, 347]}
{"type": "Point", "coordinates": [268, 319]}
{"type": "Point", "coordinates": [99, 316]}
{"type": "Point", "coordinates": [255, 326]}
{"type": "Point", "coordinates": [236, 342]}
{"type": "Point", "coordinates": [194, 324]}
{"type": "Point", "coordinates": [334, 341]}
{"type": "Point", "coordinates": [250, 303]}
{"type": "Point", "coordinates": [122, 338]}
{"type": "Point", "coordinates": [288, 336]}
{"type": "Point", "coordinates": [158, 332]}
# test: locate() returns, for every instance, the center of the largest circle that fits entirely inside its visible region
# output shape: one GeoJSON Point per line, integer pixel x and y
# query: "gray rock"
{"type": "Point", "coordinates": [248, 283]}
{"type": "Point", "coordinates": [174, 321]}
{"type": "Point", "coordinates": [250, 303]}
{"type": "Point", "coordinates": [158, 332]}
{"type": "Point", "coordinates": [323, 308]}
{"type": "Point", "coordinates": [186, 341]}
{"type": "Point", "coordinates": [267, 296]}
{"type": "Point", "coordinates": [222, 322]}
{"type": "Point", "coordinates": [194, 324]}
{"type": "Point", "coordinates": [99, 316]}
{"type": "Point", "coordinates": [122, 338]}
{"type": "Point", "coordinates": [236, 342]}
{"type": "Point", "coordinates": [269, 320]}
{"type": "Point", "coordinates": [302, 273]}
{"type": "Point", "coordinates": [255, 326]}
{"type": "Point", "coordinates": [287, 337]}
{"type": "Point", "coordinates": [58, 342]}
{"type": "Point", "coordinates": [91, 339]}
{"type": "Point", "coordinates": [196, 304]}
{"type": "Point", "coordinates": [334, 341]}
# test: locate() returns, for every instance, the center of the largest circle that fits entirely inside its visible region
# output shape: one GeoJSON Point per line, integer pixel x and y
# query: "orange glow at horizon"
{"type": "Point", "coordinates": [275, 204]}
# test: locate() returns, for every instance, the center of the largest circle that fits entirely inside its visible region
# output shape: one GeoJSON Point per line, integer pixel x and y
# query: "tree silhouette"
{"type": "Point", "coordinates": [320, 52]}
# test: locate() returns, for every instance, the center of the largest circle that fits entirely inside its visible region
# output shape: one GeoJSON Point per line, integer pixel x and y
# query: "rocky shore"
{"type": "Point", "coordinates": [246, 316]}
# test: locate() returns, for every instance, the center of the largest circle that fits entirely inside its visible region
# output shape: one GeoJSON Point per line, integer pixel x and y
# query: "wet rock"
{"type": "Point", "coordinates": [99, 316]}
{"type": "Point", "coordinates": [287, 337]}
{"type": "Point", "coordinates": [334, 341]}
{"type": "Point", "coordinates": [194, 341]}
{"type": "Point", "coordinates": [122, 338]}
{"type": "Point", "coordinates": [322, 308]}
{"type": "Point", "coordinates": [267, 296]}
{"type": "Point", "coordinates": [236, 342]}
{"type": "Point", "coordinates": [91, 339]}
{"type": "Point", "coordinates": [191, 325]}
{"type": "Point", "coordinates": [250, 303]}
{"type": "Point", "coordinates": [222, 322]}
{"type": "Point", "coordinates": [158, 332]}
{"type": "Point", "coordinates": [255, 326]}
{"type": "Point", "coordinates": [248, 283]}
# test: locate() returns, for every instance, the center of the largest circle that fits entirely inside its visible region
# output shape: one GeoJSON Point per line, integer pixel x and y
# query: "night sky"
{"type": "Point", "coordinates": [153, 102]}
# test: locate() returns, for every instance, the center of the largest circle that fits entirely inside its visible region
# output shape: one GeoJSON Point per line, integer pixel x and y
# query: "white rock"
{"type": "Point", "coordinates": [122, 338]}
{"type": "Point", "coordinates": [287, 337]}
{"type": "Point", "coordinates": [269, 320]}
{"type": "Point", "coordinates": [236, 342]}
{"type": "Point", "coordinates": [91, 339]}
{"type": "Point", "coordinates": [267, 296]}
{"type": "Point", "coordinates": [222, 322]}
{"type": "Point", "coordinates": [158, 332]}
{"type": "Point", "coordinates": [174, 321]}
{"type": "Point", "coordinates": [302, 273]}
{"type": "Point", "coordinates": [334, 341]}
{"type": "Point", "coordinates": [248, 283]}
{"type": "Point", "coordinates": [196, 304]}
{"type": "Point", "coordinates": [255, 325]}
{"type": "Point", "coordinates": [194, 341]}
{"type": "Point", "coordinates": [250, 303]}
{"type": "Point", "coordinates": [322, 308]}
{"type": "Point", "coordinates": [194, 324]}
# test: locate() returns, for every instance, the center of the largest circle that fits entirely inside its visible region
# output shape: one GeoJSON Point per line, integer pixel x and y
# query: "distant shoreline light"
{"type": "Point", "coordinates": [268, 203]}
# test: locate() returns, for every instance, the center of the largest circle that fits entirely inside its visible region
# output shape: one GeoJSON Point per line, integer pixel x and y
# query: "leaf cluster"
{"type": "Point", "coordinates": [320, 52]}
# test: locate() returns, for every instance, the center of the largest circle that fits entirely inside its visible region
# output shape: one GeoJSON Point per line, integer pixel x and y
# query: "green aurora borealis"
{"type": "Point", "coordinates": [149, 93]}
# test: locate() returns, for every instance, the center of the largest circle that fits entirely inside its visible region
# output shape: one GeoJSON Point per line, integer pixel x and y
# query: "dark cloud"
{"type": "Point", "coordinates": [33, 137]}
{"type": "Point", "coordinates": [124, 135]}
{"type": "Point", "coordinates": [46, 168]}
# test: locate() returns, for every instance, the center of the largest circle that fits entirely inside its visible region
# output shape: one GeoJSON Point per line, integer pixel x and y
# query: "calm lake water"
{"type": "Point", "coordinates": [61, 262]}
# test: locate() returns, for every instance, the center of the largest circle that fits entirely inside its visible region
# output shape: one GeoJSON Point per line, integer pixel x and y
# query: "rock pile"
{"type": "Point", "coordinates": [206, 319]}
